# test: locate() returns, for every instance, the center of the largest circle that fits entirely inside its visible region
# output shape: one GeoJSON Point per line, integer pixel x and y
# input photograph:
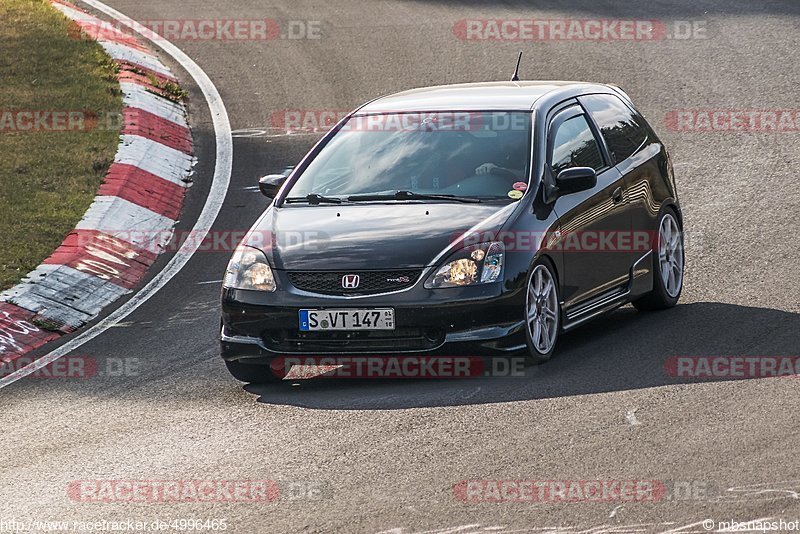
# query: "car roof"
{"type": "Point", "coordinates": [503, 96]}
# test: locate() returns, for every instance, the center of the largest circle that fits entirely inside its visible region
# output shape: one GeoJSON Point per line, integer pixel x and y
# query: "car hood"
{"type": "Point", "coordinates": [368, 236]}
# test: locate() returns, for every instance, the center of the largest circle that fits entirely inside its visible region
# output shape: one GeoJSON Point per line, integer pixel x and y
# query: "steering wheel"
{"type": "Point", "coordinates": [502, 172]}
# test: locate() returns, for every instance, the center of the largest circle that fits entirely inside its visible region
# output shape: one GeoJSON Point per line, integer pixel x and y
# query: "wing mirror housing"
{"type": "Point", "coordinates": [270, 184]}
{"type": "Point", "coordinates": [576, 179]}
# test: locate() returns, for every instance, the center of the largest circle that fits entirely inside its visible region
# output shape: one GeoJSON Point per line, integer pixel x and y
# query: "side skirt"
{"type": "Point", "coordinates": [640, 282]}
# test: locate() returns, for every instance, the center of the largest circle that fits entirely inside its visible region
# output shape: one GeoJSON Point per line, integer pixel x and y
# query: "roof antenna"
{"type": "Point", "coordinates": [515, 77]}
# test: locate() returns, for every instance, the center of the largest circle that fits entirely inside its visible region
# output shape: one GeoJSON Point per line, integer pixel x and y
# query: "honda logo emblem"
{"type": "Point", "coordinates": [350, 281]}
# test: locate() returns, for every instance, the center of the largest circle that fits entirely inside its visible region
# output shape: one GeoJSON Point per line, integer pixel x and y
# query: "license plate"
{"type": "Point", "coordinates": [347, 319]}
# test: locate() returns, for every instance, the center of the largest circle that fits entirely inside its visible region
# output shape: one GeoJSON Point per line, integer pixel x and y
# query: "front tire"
{"type": "Point", "coordinates": [251, 373]}
{"type": "Point", "coordinates": [668, 265]}
{"type": "Point", "coordinates": [542, 312]}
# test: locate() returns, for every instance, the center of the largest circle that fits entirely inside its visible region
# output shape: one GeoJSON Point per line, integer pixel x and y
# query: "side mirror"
{"type": "Point", "coordinates": [271, 183]}
{"type": "Point", "coordinates": [576, 179]}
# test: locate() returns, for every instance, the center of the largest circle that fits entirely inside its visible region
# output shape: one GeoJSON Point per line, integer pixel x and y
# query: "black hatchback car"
{"type": "Point", "coordinates": [483, 218]}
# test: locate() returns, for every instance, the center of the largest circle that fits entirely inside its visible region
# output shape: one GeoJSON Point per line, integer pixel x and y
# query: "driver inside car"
{"type": "Point", "coordinates": [507, 160]}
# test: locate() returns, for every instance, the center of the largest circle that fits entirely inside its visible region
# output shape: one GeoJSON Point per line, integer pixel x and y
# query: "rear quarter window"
{"type": "Point", "coordinates": [623, 129]}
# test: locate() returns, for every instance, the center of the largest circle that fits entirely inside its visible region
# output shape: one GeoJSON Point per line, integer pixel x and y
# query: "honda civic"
{"type": "Point", "coordinates": [473, 219]}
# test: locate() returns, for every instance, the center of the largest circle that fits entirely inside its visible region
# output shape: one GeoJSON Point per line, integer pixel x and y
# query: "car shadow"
{"type": "Point", "coordinates": [624, 350]}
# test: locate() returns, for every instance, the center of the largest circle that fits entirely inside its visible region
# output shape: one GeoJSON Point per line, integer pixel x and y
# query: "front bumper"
{"type": "Point", "coordinates": [482, 320]}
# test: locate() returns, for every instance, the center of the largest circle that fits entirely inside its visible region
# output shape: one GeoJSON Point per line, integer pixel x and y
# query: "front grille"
{"type": "Point", "coordinates": [370, 282]}
{"type": "Point", "coordinates": [377, 341]}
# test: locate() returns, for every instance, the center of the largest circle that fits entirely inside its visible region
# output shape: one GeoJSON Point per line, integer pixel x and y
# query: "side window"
{"type": "Point", "coordinates": [624, 130]}
{"type": "Point", "coordinates": [574, 145]}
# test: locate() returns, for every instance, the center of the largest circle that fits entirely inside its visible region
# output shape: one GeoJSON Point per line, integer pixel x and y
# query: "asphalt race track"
{"type": "Point", "coordinates": [384, 455]}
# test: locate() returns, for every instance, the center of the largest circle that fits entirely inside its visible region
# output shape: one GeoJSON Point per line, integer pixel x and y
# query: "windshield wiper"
{"type": "Point", "coordinates": [410, 195]}
{"type": "Point", "coordinates": [314, 198]}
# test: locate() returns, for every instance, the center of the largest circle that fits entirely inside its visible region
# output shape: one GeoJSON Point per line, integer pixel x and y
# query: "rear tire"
{"type": "Point", "coordinates": [251, 373]}
{"type": "Point", "coordinates": [668, 265]}
{"type": "Point", "coordinates": [542, 312]}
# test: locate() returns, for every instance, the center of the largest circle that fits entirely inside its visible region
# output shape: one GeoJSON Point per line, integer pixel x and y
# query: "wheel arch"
{"type": "Point", "coordinates": [672, 203]}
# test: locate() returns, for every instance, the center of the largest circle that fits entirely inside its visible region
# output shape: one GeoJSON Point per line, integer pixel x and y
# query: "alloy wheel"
{"type": "Point", "coordinates": [542, 309]}
{"type": "Point", "coordinates": [670, 255]}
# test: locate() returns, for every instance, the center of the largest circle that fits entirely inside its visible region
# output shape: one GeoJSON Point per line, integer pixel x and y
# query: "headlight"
{"type": "Point", "coordinates": [248, 269]}
{"type": "Point", "coordinates": [476, 264]}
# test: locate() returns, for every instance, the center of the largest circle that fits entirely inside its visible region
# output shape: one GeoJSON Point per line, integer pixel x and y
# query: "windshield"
{"type": "Point", "coordinates": [482, 155]}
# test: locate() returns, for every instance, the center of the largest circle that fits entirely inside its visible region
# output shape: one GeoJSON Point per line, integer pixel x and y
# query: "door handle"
{"type": "Point", "coordinates": [617, 195]}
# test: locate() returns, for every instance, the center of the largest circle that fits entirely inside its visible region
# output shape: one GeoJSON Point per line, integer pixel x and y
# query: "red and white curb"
{"type": "Point", "coordinates": [132, 217]}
